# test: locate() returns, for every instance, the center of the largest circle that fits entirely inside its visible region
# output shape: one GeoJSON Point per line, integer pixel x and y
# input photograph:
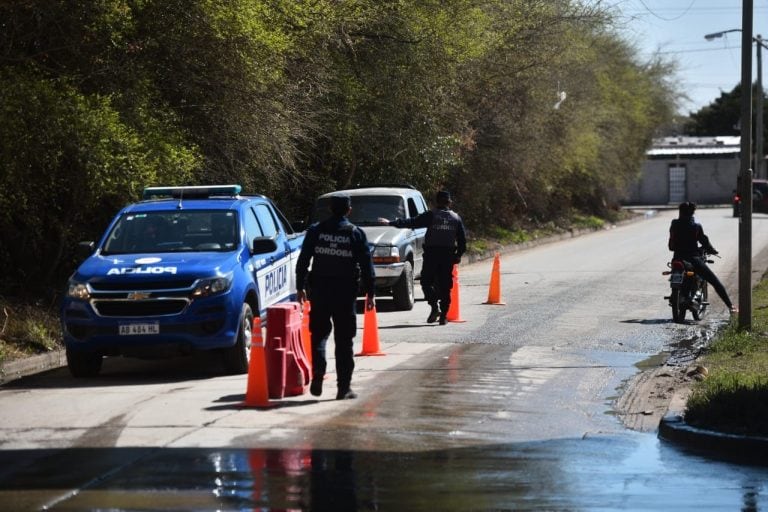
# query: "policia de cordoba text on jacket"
{"type": "Point", "coordinates": [339, 253]}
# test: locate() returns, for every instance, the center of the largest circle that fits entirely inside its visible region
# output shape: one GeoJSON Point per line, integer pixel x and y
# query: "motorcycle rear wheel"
{"type": "Point", "coordinates": [676, 300]}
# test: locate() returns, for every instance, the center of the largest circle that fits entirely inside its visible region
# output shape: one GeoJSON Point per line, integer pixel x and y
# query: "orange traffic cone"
{"type": "Point", "coordinates": [453, 311]}
{"type": "Point", "coordinates": [257, 393]}
{"type": "Point", "coordinates": [371, 334]}
{"type": "Point", "coordinates": [494, 290]}
{"type": "Point", "coordinates": [306, 336]}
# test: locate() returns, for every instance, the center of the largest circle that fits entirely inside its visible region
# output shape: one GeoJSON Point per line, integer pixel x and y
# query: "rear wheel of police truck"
{"type": "Point", "coordinates": [235, 358]}
{"type": "Point", "coordinates": [402, 292]}
{"type": "Point", "coordinates": [83, 364]}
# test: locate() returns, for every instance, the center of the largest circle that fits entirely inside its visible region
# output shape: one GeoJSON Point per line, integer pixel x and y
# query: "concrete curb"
{"type": "Point", "coordinates": [732, 447]}
{"type": "Point", "coordinates": [19, 368]}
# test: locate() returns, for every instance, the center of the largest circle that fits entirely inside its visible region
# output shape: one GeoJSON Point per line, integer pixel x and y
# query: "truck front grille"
{"type": "Point", "coordinates": [143, 299]}
{"type": "Point", "coordinates": [138, 308]}
{"type": "Point", "coordinates": [107, 286]}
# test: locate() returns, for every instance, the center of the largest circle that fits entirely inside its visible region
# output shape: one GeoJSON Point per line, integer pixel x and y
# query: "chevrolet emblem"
{"type": "Point", "coordinates": [138, 296]}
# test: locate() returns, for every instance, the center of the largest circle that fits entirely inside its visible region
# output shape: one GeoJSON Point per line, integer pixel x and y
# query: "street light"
{"type": "Point", "coordinates": [759, 156]}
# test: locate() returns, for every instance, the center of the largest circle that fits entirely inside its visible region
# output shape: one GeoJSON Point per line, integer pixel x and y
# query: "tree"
{"type": "Point", "coordinates": [721, 117]}
{"type": "Point", "coordinates": [292, 99]}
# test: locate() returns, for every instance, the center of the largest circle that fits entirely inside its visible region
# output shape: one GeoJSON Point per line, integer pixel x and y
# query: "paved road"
{"type": "Point", "coordinates": [500, 405]}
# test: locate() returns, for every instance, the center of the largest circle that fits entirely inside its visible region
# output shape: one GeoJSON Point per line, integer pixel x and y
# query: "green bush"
{"type": "Point", "coordinates": [734, 396]}
{"type": "Point", "coordinates": [27, 328]}
{"type": "Point", "coordinates": [588, 222]}
{"type": "Point", "coordinates": [733, 402]}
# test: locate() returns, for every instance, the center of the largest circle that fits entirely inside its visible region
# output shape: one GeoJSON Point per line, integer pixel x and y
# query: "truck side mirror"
{"type": "Point", "coordinates": [85, 249]}
{"type": "Point", "coordinates": [263, 245]}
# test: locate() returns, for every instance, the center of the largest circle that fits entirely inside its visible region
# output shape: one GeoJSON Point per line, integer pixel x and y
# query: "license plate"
{"type": "Point", "coordinates": [676, 278]}
{"type": "Point", "coordinates": [132, 329]}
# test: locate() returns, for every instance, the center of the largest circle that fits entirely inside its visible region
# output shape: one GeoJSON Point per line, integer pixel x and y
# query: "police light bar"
{"type": "Point", "coordinates": [192, 192]}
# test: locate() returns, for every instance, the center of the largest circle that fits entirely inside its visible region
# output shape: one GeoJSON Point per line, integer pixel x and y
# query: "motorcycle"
{"type": "Point", "coordinates": [689, 292]}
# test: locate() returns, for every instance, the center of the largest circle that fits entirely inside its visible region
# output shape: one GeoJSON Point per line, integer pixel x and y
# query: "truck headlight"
{"type": "Point", "coordinates": [212, 286]}
{"type": "Point", "coordinates": [386, 254]}
{"type": "Point", "coordinates": [78, 290]}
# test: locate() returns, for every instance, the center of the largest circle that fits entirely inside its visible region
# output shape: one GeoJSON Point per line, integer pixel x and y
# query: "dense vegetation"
{"type": "Point", "coordinates": [100, 98]}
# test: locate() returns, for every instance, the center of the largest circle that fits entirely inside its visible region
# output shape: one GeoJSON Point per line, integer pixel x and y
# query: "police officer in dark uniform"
{"type": "Point", "coordinates": [685, 235]}
{"type": "Point", "coordinates": [339, 253]}
{"type": "Point", "coordinates": [444, 244]}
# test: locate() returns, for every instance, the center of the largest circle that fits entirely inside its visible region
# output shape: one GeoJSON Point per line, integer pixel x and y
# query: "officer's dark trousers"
{"type": "Point", "coordinates": [437, 276]}
{"type": "Point", "coordinates": [333, 306]}
{"type": "Point", "coordinates": [701, 268]}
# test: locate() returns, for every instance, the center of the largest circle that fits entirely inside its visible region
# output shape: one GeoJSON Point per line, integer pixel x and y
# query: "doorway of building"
{"type": "Point", "coordinates": [676, 183]}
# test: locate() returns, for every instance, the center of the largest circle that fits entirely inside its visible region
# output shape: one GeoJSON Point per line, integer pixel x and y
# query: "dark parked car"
{"type": "Point", "coordinates": [759, 198]}
{"type": "Point", "coordinates": [397, 253]}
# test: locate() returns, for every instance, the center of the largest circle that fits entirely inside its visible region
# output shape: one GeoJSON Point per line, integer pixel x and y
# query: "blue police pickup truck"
{"type": "Point", "coordinates": [183, 270]}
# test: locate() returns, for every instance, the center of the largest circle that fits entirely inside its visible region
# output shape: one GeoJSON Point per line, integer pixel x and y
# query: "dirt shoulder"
{"type": "Point", "coordinates": [651, 394]}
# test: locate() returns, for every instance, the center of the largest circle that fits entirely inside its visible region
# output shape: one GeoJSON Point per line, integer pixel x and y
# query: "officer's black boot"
{"type": "Point", "coordinates": [316, 387]}
{"type": "Point", "coordinates": [444, 306]}
{"type": "Point", "coordinates": [433, 314]}
{"type": "Point", "coordinates": [344, 391]}
{"type": "Point", "coordinates": [345, 394]}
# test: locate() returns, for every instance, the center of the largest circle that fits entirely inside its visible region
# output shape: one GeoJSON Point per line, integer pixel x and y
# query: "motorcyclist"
{"type": "Point", "coordinates": [685, 235]}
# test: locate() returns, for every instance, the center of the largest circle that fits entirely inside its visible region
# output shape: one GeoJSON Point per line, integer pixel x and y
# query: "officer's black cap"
{"type": "Point", "coordinates": [443, 196]}
{"type": "Point", "coordinates": [340, 203]}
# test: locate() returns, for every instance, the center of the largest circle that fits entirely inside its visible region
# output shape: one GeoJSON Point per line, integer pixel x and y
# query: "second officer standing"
{"type": "Point", "coordinates": [339, 253]}
{"type": "Point", "coordinates": [444, 244]}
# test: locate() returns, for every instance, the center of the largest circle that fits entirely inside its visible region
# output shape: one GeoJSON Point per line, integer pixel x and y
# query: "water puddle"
{"type": "Point", "coordinates": [596, 472]}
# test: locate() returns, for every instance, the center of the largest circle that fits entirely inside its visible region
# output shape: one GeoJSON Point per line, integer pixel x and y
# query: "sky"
{"type": "Point", "coordinates": [676, 28]}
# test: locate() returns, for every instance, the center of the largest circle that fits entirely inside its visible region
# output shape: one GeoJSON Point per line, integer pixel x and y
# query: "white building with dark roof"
{"type": "Point", "coordinates": [699, 169]}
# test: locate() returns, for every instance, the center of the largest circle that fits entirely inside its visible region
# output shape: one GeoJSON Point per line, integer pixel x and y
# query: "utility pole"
{"type": "Point", "coordinates": [759, 154]}
{"type": "Point", "coordinates": [745, 222]}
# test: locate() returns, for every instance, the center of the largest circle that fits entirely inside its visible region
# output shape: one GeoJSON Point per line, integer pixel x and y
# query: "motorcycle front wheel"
{"type": "Point", "coordinates": [676, 300]}
{"type": "Point", "coordinates": [700, 308]}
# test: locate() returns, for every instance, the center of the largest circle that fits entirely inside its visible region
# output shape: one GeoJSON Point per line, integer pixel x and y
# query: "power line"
{"type": "Point", "coordinates": [699, 50]}
{"type": "Point", "coordinates": [698, 10]}
{"type": "Point", "coordinates": [668, 19]}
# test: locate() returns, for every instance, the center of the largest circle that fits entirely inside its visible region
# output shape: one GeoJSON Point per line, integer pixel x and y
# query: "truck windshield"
{"type": "Point", "coordinates": [366, 210]}
{"type": "Point", "coordinates": [189, 231]}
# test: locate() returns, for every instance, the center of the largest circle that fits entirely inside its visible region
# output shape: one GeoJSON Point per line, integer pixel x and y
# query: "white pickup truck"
{"type": "Point", "coordinates": [397, 252]}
